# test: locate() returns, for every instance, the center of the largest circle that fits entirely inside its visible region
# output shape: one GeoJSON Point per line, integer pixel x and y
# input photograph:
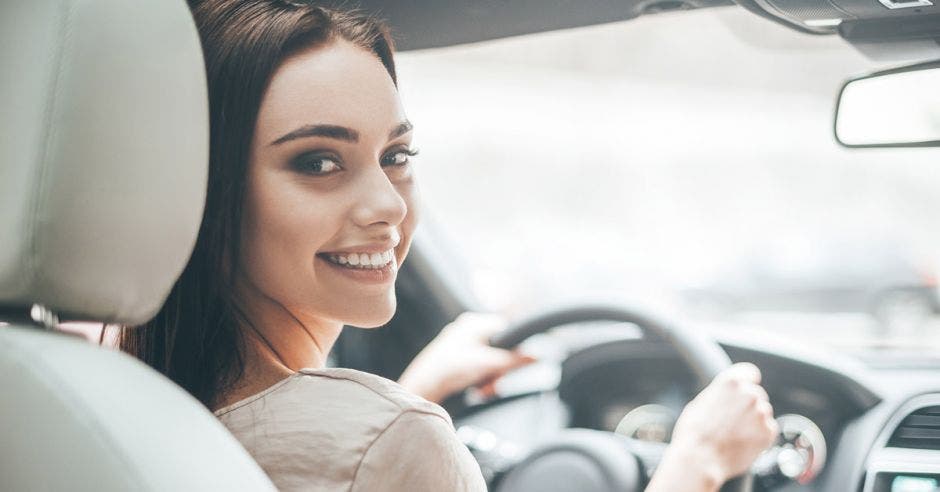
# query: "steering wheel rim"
{"type": "Point", "coordinates": [704, 357]}
{"type": "Point", "coordinates": [701, 355]}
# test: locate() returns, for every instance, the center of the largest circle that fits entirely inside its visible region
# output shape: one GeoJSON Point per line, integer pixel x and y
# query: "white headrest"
{"type": "Point", "coordinates": [103, 154]}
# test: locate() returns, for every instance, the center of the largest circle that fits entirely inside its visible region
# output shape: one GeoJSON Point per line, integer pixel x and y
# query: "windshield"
{"type": "Point", "coordinates": [682, 161]}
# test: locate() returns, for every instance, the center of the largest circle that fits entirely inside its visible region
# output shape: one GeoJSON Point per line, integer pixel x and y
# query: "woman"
{"type": "Point", "coordinates": [310, 211]}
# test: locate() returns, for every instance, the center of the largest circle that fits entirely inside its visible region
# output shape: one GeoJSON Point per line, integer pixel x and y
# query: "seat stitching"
{"type": "Point", "coordinates": [49, 134]}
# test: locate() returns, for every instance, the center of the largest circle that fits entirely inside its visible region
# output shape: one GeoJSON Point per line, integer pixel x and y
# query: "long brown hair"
{"type": "Point", "coordinates": [196, 339]}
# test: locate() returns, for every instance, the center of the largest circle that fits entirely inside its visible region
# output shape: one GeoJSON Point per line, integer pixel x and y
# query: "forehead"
{"type": "Point", "coordinates": [337, 83]}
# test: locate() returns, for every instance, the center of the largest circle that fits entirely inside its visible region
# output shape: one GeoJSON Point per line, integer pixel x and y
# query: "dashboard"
{"type": "Point", "coordinates": [838, 414]}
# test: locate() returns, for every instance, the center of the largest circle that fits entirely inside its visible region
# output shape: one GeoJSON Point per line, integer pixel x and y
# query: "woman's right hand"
{"type": "Point", "coordinates": [719, 434]}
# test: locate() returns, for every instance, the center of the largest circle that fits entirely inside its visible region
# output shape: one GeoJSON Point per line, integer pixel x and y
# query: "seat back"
{"type": "Point", "coordinates": [103, 167]}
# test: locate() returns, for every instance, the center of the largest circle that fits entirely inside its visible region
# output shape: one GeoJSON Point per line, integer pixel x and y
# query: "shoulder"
{"type": "Point", "coordinates": [333, 392]}
{"type": "Point", "coordinates": [314, 427]}
{"type": "Point", "coordinates": [418, 452]}
{"type": "Point", "coordinates": [372, 386]}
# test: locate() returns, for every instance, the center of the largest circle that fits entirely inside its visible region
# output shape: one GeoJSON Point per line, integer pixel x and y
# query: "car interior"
{"type": "Point", "coordinates": [103, 168]}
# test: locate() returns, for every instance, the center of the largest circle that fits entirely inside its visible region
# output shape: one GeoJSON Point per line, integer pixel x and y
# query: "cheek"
{"type": "Point", "coordinates": [284, 226]}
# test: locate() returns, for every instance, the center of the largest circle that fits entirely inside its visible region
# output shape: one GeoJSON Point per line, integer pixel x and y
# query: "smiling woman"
{"type": "Point", "coordinates": [269, 206]}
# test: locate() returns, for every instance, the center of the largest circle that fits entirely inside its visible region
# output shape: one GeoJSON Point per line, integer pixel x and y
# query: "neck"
{"type": "Point", "coordinates": [278, 343]}
{"type": "Point", "coordinates": [280, 339]}
{"type": "Point", "coordinates": [287, 340]}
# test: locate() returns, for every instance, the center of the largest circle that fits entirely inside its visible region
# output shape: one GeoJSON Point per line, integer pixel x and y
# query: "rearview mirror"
{"type": "Point", "coordinates": [895, 108]}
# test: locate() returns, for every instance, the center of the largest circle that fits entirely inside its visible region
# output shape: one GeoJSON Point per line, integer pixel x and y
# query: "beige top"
{"type": "Point", "coordinates": [345, 430]}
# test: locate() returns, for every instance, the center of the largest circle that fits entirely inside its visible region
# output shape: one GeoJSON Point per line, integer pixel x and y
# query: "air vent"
{"type": "Point", "coordinates": [919, 430]}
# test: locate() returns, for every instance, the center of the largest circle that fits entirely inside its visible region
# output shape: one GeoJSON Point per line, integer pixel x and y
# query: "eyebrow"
{"type": "Point", "coordinates": [337, 132]}
{"type": "Point", "coordinates": [403, 128]}
{"type": "Point", "coordinates": [328, 131]}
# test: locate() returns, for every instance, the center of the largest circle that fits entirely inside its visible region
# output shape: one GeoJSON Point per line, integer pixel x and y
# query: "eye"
{"type": "Point", "coordinates": [398, 157]}
{"type": "Point", "coordinates": [316, 164]}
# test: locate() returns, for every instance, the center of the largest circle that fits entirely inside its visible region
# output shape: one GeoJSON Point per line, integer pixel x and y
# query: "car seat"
{"type": "Point", "coordinates": [103, 167]}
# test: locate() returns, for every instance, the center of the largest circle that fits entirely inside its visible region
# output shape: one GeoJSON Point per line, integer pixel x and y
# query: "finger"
{"type": "Point", "coordinates": [764, 409]}
{"type": "Point", "coordinates": [488, 389]}
{"type": "Point", "coordinates": [521, 360]}
{"type": "Point", "coordinates": [742, 371]}
{"type": "Point", "coordinates": [773, 429]}
{"type": "Point", "coordinates": [487, 384]}
{"type": "Point", "coordinates": [496, 373]}
{"type": "Point", "coordinates": [493, 365]}
{"type": "Point", "coordinates": [757, 391]}
{"type": "Point", "coordinates": [520, 354]}
{"type": "Point", "coordinates": [497, 362]}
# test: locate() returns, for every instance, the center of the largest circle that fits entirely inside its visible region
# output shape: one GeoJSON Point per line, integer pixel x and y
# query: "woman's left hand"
{"type": "Point", "coordinates": [460, 357]}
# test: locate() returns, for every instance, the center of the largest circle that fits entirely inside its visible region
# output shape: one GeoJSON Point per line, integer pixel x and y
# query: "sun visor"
{"type": "Point", "coordinates": [909, 38]}
{"type": "Point", "coordinates": [895, 30]}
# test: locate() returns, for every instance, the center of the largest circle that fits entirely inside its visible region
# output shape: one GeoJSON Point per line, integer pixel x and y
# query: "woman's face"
{"type": "Point", "coordinates": [330, 201]}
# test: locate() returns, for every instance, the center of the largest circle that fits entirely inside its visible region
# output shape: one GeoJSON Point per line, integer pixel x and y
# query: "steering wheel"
{"type": "Point", "coordinates": [593, 460]}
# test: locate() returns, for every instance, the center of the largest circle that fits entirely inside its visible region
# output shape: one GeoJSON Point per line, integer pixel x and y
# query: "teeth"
{"type": "Point", "coordinates": [363, 260]}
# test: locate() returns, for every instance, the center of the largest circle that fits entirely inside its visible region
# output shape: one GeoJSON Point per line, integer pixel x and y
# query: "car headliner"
{"type": "Point", "coordinates": [419, 24]}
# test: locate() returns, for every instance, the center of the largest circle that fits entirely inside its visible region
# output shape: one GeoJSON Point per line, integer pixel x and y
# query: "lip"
{"type": "Point", "coordinates": [377, 276]}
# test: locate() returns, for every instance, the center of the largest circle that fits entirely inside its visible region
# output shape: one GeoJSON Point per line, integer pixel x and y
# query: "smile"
{"type": "Point", "coordinates": [361, 261]}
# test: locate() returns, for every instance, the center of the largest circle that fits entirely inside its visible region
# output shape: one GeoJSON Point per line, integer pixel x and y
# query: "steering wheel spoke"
{"type": "Point", "coordinates": [649, 454]}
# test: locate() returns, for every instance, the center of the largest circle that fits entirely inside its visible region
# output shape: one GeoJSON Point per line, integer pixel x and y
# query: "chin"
{"type": "Point", "coordinates": [380, 314]}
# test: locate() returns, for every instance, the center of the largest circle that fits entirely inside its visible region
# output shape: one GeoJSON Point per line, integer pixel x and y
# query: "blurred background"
{"type": "Point", "coordinates": [668, 163]}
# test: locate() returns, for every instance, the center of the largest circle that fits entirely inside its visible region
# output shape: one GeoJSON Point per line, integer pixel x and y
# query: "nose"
{"type": "Point", "coordinates": [378, 201]}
